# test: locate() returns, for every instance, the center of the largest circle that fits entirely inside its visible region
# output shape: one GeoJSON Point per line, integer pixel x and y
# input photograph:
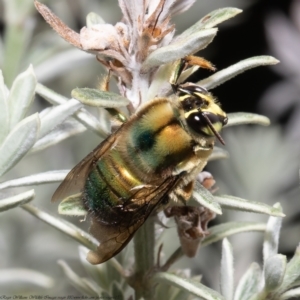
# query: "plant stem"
{"type": "Point", "coordinates": [144, 259]}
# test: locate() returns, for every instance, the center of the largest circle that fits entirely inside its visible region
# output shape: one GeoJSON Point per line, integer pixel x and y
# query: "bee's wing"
{"type": "Point", "coordinates": [75, 180]}
{"type": "Point", "coordinates": [114, 237]}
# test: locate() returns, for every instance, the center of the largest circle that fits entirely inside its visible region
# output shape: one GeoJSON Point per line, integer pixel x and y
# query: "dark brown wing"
{"type": "Point", "coordinates": [75, 180]}
{"type": "Point", "coordinates": [113, 238]}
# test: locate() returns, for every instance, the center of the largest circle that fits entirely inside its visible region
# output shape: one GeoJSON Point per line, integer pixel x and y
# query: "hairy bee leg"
{"type": "Point", "coordinates": [186, 62]}
{"type": "Point", "coordinates": [192, 60]}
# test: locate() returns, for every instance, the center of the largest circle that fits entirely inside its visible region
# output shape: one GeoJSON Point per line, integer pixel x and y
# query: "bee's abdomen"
{"type": "Point", "coordinates": [108, 186]}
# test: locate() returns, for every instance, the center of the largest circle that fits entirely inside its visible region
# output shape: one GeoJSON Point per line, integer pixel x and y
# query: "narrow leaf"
{"type": "Point", "coordinates": [224, 230]}
{"type": "Point", "coordinates": [248, 285]}
{"type": "Point", "coordinates": [25, 276]}
{"type": "Point", "coordinates": [211, 20]}
{"type": "Point", "coordinates": [4, 112]}
{"type": "Point", "coordinates": [76, 281]}
{"type": "Point", "coordinates": [227, 273]}
{"type": "Point", "coordinates": [179, 49]}
{"type": "Point", "coordinates": [236, 69]}
{"type": "Point", "coordinates": [72, 206]}
{"type": "Point", "coordinates": [19, 142]}
{"type": "Point", "coordinates": [66, 227]}
{"type": "Point", "coordinates": [290, 294]}
{"type": "Point", "coordinates": [21, 96]}
{"type": "Point", "coordinates": [193, 287]}
{"type": "Point", "coordinates": [63, 131]}
{"type": "Point", "coordinates": [271, 240]}
{"type": "Point", "coordinates": [20, 199]}
{"type": "Point", "coordinates": [236, 203]}
{"type": "Point", "coordinates": [83, 116]}
{"type": "Point", "coordinates": [57, 115]}
{"type": "Point", "coordinates": [241, 118]}
{"type": "Point", "coordinates": [94, 97]}
{"type": "Point", "coordinates": [292, 274]}
{"type": "Point", "coordinates": [274, 270]}
{"type": "Point", "coordinates": [203, 197]}
{"type": "Point", "coordinates": [36, 179]}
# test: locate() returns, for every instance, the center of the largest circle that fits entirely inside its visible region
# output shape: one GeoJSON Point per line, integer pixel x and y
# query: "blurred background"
{"type": "Point", "coordinates": [263, 164]}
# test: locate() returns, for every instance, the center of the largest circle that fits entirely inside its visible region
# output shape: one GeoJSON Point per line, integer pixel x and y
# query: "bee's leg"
{"type": "Point", "coordinates": [183, 64]}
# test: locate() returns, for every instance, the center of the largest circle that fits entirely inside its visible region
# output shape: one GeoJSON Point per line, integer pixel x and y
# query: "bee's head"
{"type": "Point", "coordinates": [203, 115]}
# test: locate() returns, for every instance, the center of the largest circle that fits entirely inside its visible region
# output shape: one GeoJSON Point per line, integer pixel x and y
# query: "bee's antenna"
{"type": "Point", "coordinates": [216, 133]}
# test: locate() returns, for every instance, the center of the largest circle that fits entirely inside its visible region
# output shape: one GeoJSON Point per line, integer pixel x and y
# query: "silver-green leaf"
{"type": "Point", "coordinates": [274, 270]}
{"type": "Point", "coordinates": [227, 272]}
{"type": "Point", "coordinates": [21, 96]}
{"type": "Point", "coordinates": [180, 48]}
{"type": "Point", "coordinates": [4, 112]}
{"type": "Point", "coordinates": [17, 200]}
{"type": "Point", "coordinates": [212, 19]}
{"type": "Point", "coordinates": [248, 285]}
{"type": "Point", "coordinates": [241, 118]}
{"type": "Point", "coordinates": [224, 230]}
{"type": "Point", "coordinates": [193, 287]}
{"type": "Point", "coordinates": [236, 69]}
{"type": "Point", "coordinates": [98, 98]}
{"type": "Point", "coordinates": [19, 142]}
{"type": "Point", "coordinates": [57, 115]}
{"type": "Point", "coordinates": [271, 239]}
{"type": "Point", "coordinates": [203, 197]}
{"type": "Point", "coordinates": [72, 206]}
{"type": "Point", "coordinates": [36, 179]}
{"type": "Point", "coordinates": [236, 203]}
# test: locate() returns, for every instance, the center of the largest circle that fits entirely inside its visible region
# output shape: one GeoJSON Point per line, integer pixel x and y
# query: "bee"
{"type": "Point", "coordinates": [149, 161]}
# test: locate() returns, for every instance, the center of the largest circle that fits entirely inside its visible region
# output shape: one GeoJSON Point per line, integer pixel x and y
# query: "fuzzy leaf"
{"type": "Point", "coordinates": [236, 69]}
{"type": "Point", "coordinates": [179, 49]}
{"type": "Point", "coordinates": [93, 19]}
{"type": "Point", "coordinates": [218, 153]}
{"type": "Point", "coordinates": [203, 197]}
{"type": "Point", "coordinates": [292, 273]}
{"type": "Point", "coordinates": [94, 97]}
{"type": "Point", "coordinates": [57, 115]}
{"type": "Point", "coordinates": [17, 200]}
{"type": "Point", "coordinates": [4, 112]}
{"type": "Point", "coordinates": [17, 277]}
{"type": "Point", "coordinates": [274, 270]}
{"type": "Point", "coordinates": [83, 116]}
{"type": "Point", "coordinates": [19, 142]}
{"type": "Point", "coordinates": [224, 230]}
{"type": "Point", "coordinates": [236, 203]}
{"type": "Point", "coordinates": [21, 96]}
{"type": "Point", "coordinates": [212, 19]}
{"type": "Point", "coordinates": [248, 285]}
{"type": "Point", "coordinates": [227, 273]}
{"type": "Point", "coordinates": [193, 287]}
{"type": "Point", "coordinates": [36, 179]}
{"type": "Point", "coordinates": [63, 131]}
{"type": "Point", "coordinates": [290, 294]}
{"type": "Point", "coordinates": [271, 240]}
{"type": "Point", "coordinates": [77, 281]}
{"type": "Point", "coordinates": [241, 118]}
{"type": "Point", "coordinates": [72, 206]}
{"type": "Point", "coordinates": [66, 227]}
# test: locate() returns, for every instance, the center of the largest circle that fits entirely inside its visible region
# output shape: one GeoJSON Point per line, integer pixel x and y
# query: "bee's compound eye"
{"type": "Point", "coordinates": [225, 121]}
{"type": "Point", "coordinates": [200, 123]}
{"type": "Point", "coordinates": [196, 122]}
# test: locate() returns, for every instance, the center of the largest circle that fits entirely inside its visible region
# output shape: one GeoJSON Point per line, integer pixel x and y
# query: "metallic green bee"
{"type": "Point", "coordinates": [151, 160]}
